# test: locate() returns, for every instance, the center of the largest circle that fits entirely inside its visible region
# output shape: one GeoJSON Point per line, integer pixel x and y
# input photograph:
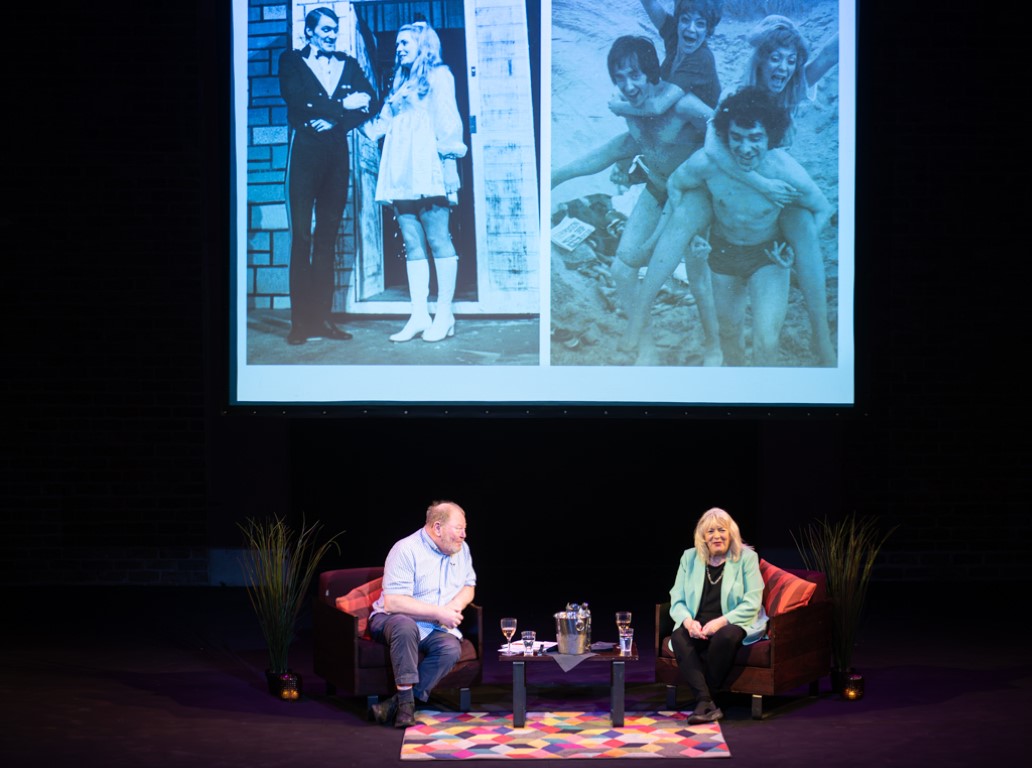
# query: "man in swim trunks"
{"type": "Point", "coordinates": [749, 259]}
{"type": "Point", "coordinates": [727, 258]}
{"type": "Point", "coordinates": [662, 141]}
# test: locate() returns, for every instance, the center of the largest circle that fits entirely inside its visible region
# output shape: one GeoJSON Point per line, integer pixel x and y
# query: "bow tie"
{"type": "Point", "coordinates": [323, 54]}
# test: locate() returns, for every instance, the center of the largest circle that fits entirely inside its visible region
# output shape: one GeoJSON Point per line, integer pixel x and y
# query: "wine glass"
{"type": "Point", "coordinates": [508, 629]}
{"type": "Point", "coordinates": [623, 620]}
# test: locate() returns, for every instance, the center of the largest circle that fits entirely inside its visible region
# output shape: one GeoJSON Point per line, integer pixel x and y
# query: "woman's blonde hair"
{"type": "Point", "coordinates": [779, 32]}
{"type": "Point", "coordinates": [719, 516]}
{"type": "Point", "coordinates": [428, 56]}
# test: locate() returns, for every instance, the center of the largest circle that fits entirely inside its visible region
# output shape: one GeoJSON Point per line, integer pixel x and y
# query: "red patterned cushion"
{"type": "Point", "coordinates": [783, 591]}
{"type": "Point", "coordinates": [358, 602]}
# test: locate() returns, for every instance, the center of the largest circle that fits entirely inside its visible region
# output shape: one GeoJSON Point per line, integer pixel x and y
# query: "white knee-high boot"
{"type": "Point", "coordinates": [419, 289]}
{"type": "Point", "coordinates": [444, 321]}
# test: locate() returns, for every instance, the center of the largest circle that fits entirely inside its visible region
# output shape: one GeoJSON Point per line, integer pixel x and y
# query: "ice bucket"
{"type": "Point", "coordinates": [571, 632]}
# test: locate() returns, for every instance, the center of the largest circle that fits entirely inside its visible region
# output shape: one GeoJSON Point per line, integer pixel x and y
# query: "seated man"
{"type": "Point", "coordinates": [428, 579]}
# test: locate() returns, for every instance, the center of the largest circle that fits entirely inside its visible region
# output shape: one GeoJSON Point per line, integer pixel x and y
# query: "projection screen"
{"type": "Point", "coordinates": [604, 235]}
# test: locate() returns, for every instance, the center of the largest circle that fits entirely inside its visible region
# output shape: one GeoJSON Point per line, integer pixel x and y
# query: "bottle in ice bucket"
{"type": "Point", "coordinates": [583, 616]}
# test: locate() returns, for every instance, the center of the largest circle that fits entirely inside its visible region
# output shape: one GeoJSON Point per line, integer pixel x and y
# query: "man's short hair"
{"type": "Point", "coordinates": [637, 51]}
{"type": "Point", "coordinates": [439, 511]}
{"type": "Point", "coordinates": [711, 10]}
{"type": "Point", "coordinates": [749, 106]}
{"type": "Point", "coordinates": [312, 19]}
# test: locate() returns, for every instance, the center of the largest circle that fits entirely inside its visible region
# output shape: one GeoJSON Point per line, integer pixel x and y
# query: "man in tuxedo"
{"type": "Point", "coordinates": [327, 95]}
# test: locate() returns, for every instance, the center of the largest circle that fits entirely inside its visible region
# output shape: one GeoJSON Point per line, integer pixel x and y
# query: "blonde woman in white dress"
{"type": "Point", "coordinates": [418, 173]}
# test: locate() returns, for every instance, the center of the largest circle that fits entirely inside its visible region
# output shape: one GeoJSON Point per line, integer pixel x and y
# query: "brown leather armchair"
{"type": "Point", "coordinates": [796, 652]}
{"type": "Point", "coordinates": [353, 664]}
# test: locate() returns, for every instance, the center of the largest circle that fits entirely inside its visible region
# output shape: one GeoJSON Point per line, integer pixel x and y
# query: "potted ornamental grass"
{"type": "Point", "coordinates": [845, 551]}
{"type": "Point", "coordinates": [279, 565]}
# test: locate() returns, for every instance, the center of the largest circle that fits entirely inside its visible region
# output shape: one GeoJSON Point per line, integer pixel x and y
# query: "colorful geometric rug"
{"type": "Point", "coordinates": [558, 735]}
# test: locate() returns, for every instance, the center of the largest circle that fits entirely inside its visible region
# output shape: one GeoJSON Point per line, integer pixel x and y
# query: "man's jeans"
{"type": "Point", "coordinates": [400, 634]}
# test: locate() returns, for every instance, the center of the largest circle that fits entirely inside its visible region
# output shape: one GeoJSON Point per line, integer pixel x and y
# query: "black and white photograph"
{"type": "Point", "coordinates": [387, 188]}
{"type": "Point", "coordinates": [707, 246]}
{"type": "Point", "coordinates": [511, 202]}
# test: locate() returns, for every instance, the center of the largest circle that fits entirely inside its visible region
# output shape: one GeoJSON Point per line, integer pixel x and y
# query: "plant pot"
{"type": "Point", "coordinates": [284, 685]}
{"type": "Point", "coordinates": [847, 683]}
{"type": "Point", "coordinates": [853, 686]}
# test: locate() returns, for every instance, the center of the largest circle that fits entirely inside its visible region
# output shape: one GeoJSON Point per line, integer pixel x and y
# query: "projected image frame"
{"type": "Point", "coordinates": [539, 319]}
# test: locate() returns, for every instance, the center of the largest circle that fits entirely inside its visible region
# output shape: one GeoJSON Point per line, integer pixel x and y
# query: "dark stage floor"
{"type": "Point", "coordinates": [175, 677]}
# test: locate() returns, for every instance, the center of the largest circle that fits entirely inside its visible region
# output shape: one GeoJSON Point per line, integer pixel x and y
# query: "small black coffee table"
{"type": "Point", "coordinates": [617, 667]}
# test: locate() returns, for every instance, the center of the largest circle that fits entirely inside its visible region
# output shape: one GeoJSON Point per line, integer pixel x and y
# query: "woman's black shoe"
{"type": "Point", "coordinates": [705, 712]}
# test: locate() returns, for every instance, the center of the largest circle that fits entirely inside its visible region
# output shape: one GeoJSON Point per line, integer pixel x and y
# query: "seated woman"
{"type": "Point", "coordinates": [716, 605]}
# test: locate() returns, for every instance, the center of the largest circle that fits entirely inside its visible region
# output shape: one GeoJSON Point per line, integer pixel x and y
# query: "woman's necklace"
{"type": "Point", "coordinates": [710, 579]}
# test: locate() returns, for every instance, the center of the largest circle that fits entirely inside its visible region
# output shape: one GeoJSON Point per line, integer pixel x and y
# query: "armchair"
{"type": "Point", "coordinates": [796, 651]}
{"type": "Point", "coordinates": [351, 662]}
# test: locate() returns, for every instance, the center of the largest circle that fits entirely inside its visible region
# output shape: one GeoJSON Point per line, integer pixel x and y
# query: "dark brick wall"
{"type": "Point", "coordinates": [105, 468]}
{"type": "Point", "coordinates": [119, 465]}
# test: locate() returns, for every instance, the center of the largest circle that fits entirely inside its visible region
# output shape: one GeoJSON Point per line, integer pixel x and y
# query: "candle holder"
{"type": "Point", "coordinates": [853, 688]}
